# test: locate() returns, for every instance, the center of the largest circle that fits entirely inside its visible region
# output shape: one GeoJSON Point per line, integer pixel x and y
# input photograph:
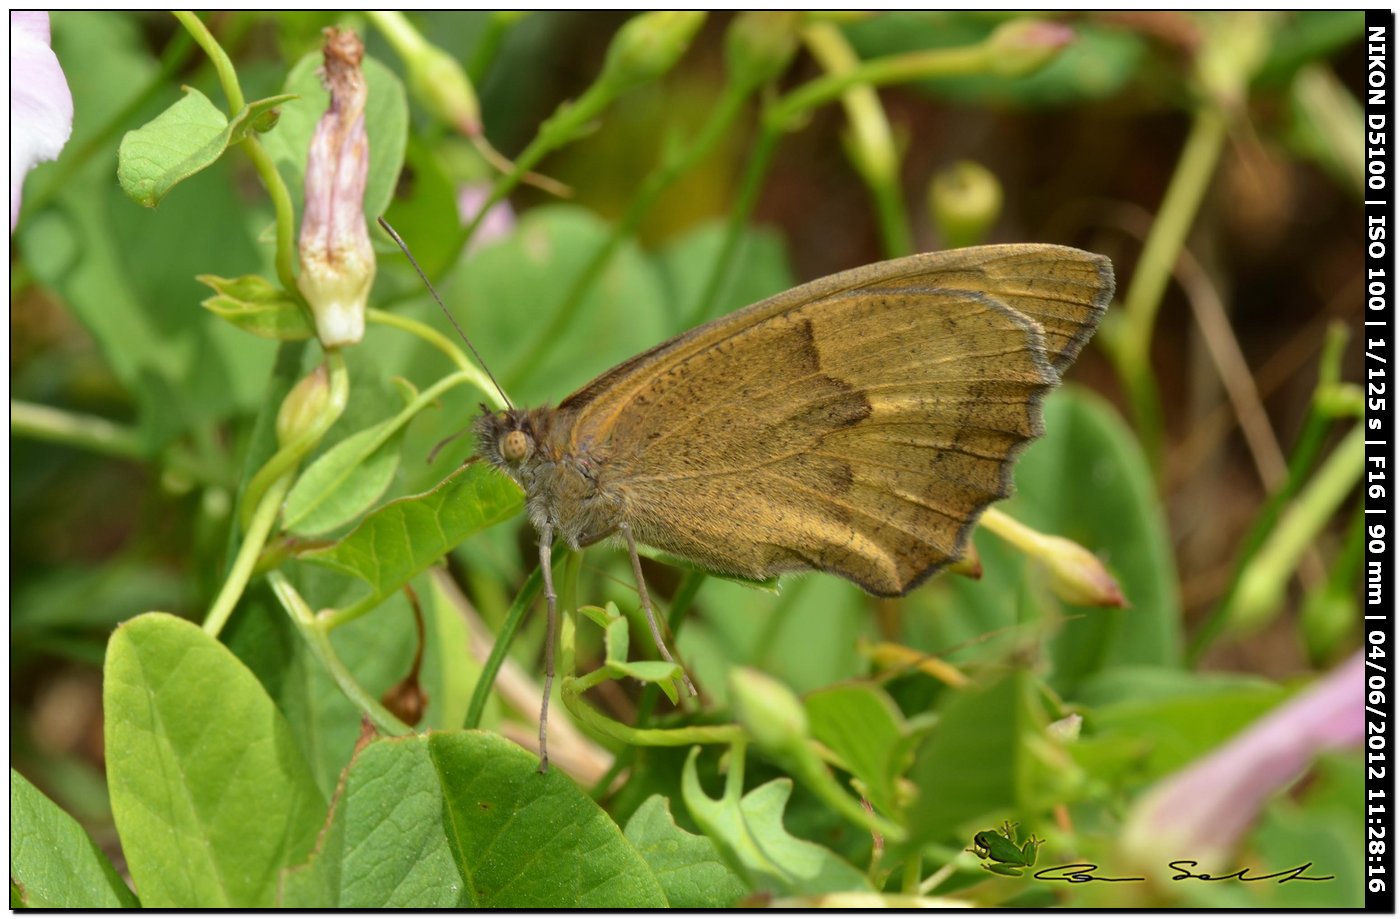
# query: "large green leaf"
{"type": "Point", "coordinates": [344, 480]}
{"type": "Point", "coordinates": [210, 792]}
{"type": "Point", "coordinates": [749, 833]}
{"type": "Point", "coordinates": [863, 726]}
{"type": "Point", "coordinates": [54, 864]}
{"type": "Point", "coordinates": [506, 291]}
{"type": "Point", "coordinates": [186, 138]}
{"type": "Point", "coordinates": [404, 537]}
{"type": "Point", "coordinates": [688, 866]}
{"type": "Point", "coordinates": [975, 760]}
{"type": "Point", "coordinates": [465, 819]}
{"type": "Point", "coordinates": [378, 649]}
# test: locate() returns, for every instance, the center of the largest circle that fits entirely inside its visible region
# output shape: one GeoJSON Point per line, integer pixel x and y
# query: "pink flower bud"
{"type": "Point", "coordinates": [337, 261]}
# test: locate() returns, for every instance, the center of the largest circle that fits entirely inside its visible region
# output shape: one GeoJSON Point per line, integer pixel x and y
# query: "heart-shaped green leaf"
{"type": "Point", "coordinates": [209, 789]}
{"type": "Point", "coordinates": [184, 139]}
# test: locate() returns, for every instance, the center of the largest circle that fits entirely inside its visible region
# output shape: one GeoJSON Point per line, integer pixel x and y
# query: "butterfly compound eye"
{"type": "Point", "coordinates": [514, 446]}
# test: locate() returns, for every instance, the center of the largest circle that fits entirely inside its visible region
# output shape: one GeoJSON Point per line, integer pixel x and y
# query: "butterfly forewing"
{"type": "Point", "coordinates": [857, 424]}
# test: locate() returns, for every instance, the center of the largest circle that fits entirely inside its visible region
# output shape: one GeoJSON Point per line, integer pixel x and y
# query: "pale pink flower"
{"type": "Point", "coordinates": [499, 221]}
{"type": "Point", "coordinates": [1203, 811]}
{"type": "Point", "coordinates": [337, 261]}
{"type": "Point", "coordinates": [41, 106]}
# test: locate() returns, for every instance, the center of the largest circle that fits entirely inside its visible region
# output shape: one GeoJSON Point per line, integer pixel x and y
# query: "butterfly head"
{"type": "Point", "coordinates": [506, 438]}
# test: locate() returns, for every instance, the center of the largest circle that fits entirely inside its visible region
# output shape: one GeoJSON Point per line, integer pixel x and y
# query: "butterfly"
{"type": "Point", "coordinates": [858, 424]}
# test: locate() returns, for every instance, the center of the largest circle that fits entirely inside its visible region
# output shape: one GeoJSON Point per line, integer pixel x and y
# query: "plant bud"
{"type": "Point", "coordinates": [303, 405]}
{"type": "Point", "coordinates": [337, 261]}
{"type": "Point", "coordinates": [965, 200]}
{"type": "Point", "coordinates": [648, 45]}
{"type": "Point", "coordinates": [1023, 46]}
{"type": "Point", "coordinates": [770, 712]}
{"type": "Point", "coordinates": [760, 44]}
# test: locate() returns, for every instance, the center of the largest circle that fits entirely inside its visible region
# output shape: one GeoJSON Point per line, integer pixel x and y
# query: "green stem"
{"type": "Point", "coordinates": [881, 71]}
{"type": "Point", "coordinates": [808, 767]}
{"type": "Point", "coordinates": [497, 24]}
{"type": "Point", "coordinates": [87, 432]}
{"type": "Point", "coordinates": [514, 617]}
{"type": "Point", "coordinates": [870, 142]}
{"type": "Point", "coordinates": [550, 333]}
{"type": "Point", "coordinates": [397, 31]}
{"type": "Point", "coordinates": [228, 76]}
{"type": "Point", "coordinates": [255, 537]}
{"type": "Point", "coordinates": [286, 459]}
{"type": "Point", "coordinates": [424, 331]}
{"type": "Point", "coordinates": [691, 582]}
{"type": "Point", "coordinates": [756, 169]}
{"type": "Point", "coordinates": [320, 644]}
{"type": "Point", "coordinates": [285, 258]}
{"type": "Point", "coordinates": [566, 124]}
{"type": "Point", "coordinates": [1300, 464]}
{"type": "Point", "coordinates": [470, 372]}
{"type": "Point", "coordinates": [1261, 586]}
{"type": "Point", "coordinates": [893, 220]}
{"type": "Point", "coordinates": [913, 868]}
{"type": "Point", "coordinates": [1131, 349]}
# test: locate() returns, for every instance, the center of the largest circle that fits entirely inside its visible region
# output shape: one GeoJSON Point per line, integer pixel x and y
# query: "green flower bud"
{"type": "Point", "coordinates": [1076, 574]}
{"type": "Point", "coordinates": [760, 44]}
{"type": "Point", "coordinates": [435, 77]}
{"type": "Point", "coordinates": [1023, 46]}
{"type": "Point", "coordinates": [965, 201]}
{"type": "Point", "coordinates": [770, 712]}
{"type": "Point", "coordinates": [647, 46]}
{"type": "Point", "coordinates": [303, 406]}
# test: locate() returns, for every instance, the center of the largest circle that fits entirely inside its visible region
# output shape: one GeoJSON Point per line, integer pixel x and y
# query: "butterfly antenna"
{"type": "Point", "coordinates": [450, 318]}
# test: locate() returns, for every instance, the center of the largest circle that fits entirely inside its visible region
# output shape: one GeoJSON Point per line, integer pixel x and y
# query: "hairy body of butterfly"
{"type": "Point", "coordinates": [857, 425]}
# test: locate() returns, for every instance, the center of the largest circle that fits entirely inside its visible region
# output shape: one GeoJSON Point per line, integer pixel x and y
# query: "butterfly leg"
{"type": "Point", "coordinates": [547, 572]}
{"type": "Point", "coordinates": [646, 605]}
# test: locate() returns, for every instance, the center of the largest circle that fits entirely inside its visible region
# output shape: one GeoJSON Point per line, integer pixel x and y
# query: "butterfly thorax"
{"type": "Point", "coordinates": [559, 478]}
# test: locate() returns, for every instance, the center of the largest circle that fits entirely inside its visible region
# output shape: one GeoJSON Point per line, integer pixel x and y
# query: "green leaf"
{"type": "Point", "coordinates": [529, 273]}
{"type": "Point", "coordinates": [759, 268]}
{"type": "Point", "coordinates": [975, 760]}
{"type": "Point", "coordinates": [186, 138]}
{"type": "Point", "coordinates": [863, 726]}
{"type": "Point", "coordinates": [1090, 482]}
{"type": "Point", "coordinates": [386, 123]}
{"type": "Point", "coordinates": [377, 649]}
{"type": "Point", "coordinates": [404, 537]}
{"type": "Point", "coordinates": [210, 792]}
{"type": "Point", "coordinates": [254, 304]}
{"type": "Point", "coordinates": [749, 833]}
{"type": "Point", "coordinates": [688, 867]}
{"type": "Point", "coordinates": [465, 819]}
{"type": "Point", "coordinates": [54, 864]}
{"type": "Point", "coordinates": [344, 480]}
{"type": "Point", "coordinates": [1149, 722]}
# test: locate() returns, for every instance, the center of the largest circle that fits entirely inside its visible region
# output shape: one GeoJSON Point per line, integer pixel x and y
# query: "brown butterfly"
{"type": "Point", "coordinates": [857, 425]}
